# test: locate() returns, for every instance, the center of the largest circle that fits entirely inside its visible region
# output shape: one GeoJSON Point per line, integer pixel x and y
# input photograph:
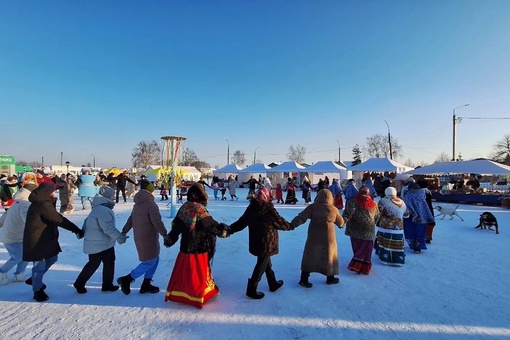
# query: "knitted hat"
{"type": "Point", "coordinates": [107, 192]}
{"type": "Point", "coordinates": [390, 191]}
{"type": "Point", "coordinates": [48, 187]}
{"type": "Point", "coordinates": [146, 185]}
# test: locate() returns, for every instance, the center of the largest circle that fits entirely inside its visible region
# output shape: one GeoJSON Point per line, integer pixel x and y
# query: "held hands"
{"type": "Point", "coordinates": [225, 230]}
{"type": "Point", "coordinates": [80, 234]}
{"type": "Point", "coordinates": [122, 238]}
{"type": "Point", "coordinates": [168, 241]}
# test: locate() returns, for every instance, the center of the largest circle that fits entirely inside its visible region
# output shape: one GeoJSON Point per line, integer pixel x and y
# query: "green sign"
{"type": "Point", "coordinates": [7, 159]}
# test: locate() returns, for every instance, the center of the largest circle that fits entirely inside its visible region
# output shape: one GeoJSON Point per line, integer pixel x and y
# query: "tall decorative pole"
{"type": "Point", "coordinates": [170, 162]}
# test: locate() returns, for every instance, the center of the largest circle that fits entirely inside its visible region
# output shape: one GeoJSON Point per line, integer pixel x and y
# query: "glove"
{"type": "Point", "coordinates": [122, 238]}
{"type": "Point", "coordinates": [224, 230]}
{"type": "Point", "coordinates": [168, 241]}
{"type": "Point", "coordinates": [80, 234]}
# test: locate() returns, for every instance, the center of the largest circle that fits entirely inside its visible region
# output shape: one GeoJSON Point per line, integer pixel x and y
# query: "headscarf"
{"type": "Point", "coordinates": [324, 196]}
{"type": "Point", "coordinates": [263, 194]}
{"type": "Point", "coordinates": [196, 193]}
{"type": "Point", "coordinates": [364, 200]}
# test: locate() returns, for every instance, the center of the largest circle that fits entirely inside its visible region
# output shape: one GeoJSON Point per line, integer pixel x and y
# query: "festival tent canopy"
{"type": "Point", "coordinates": [114, 170]}
{"type": "Point", "coordinates": [381, 164]}
{"type": "Point", "coordinates": [258, 168]}
{"type": "Point", "coordinates": [289, 166]}
{"type": "Point", "coordinates": [325, 166]}
{"type": "Point", "coordinates": [227, 169]}
{"type": "Point", "coordinates": [479, 166]}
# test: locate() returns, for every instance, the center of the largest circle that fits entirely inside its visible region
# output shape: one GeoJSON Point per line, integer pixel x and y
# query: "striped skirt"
{"type": "Point", "coordinates": [390, 247]}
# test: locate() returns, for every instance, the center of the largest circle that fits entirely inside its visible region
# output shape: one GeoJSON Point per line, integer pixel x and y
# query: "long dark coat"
{"type": "Point", "coordinates": [263, 222]}
{"type": "Point", "coordinates": [321, 252]}
{"type": "Point", "coordinates": [40, 238]}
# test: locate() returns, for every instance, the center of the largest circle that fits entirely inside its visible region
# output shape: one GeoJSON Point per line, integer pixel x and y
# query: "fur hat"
{"type": "Point", "coordinates": [107, 192]}
{"type": "Point", "coordinates": [47, 186]}
{"type": "Point", "coordinates": [390, 191]}
{"type": "Point", "coordinates": [146, 185]}
{"type": "Point", "coordinates": [39, 171]}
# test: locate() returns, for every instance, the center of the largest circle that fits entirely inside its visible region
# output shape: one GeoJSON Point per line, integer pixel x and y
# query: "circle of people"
{"type": "Point", "coordinates": [29, 231]}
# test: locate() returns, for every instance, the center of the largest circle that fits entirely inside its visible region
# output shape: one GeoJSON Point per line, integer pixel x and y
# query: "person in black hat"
{"type": "Point", "coordinates": [40, 237]}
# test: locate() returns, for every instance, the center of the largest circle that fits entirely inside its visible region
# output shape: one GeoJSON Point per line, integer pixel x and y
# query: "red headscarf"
{"type": "Point", "coordinates": [263, 194]}
{"type": "Point", "coordinates": [364, 200]}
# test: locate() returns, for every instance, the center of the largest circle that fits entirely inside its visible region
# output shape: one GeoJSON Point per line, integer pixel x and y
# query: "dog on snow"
{"type": "Point", "coordinates": [487, 221]}
{"type": "Point", "coordinates": [445, 211]}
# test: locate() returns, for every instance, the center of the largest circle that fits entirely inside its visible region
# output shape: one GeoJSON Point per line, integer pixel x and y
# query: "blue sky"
{"type": "Point", "coordinates": [93, 79]}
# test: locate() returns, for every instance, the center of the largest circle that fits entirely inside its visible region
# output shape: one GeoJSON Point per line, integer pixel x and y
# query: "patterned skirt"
{"type": "Point", "coordinates": [191, 281]}
{"type": "Point", "coordinates": [390, 247]}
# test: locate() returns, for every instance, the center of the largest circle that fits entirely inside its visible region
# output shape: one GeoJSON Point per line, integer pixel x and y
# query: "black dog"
{"type": "Point", "coordinates": [487, 220]}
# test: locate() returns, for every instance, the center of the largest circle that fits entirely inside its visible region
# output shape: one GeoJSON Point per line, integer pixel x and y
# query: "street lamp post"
{"type": "Point", "coordinates": [389, 140]}
{"type": "Point", "coordinates": [93, 160]}
{"type": "Point", "coordinates": [228, 152]}
{"type": "Point", "coordinates": [67, 165]}
{"type": "Point", "coordinates": [255, 154]}
{"type": "Point", "coordinates": [339, 160]}
{"type": "Point", "coordinates": [455, 121]}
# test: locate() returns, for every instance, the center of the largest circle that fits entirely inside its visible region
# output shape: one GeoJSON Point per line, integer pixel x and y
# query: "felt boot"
{"type": "Point", "coordinates": [251, 290]}
{"type": "Point", "coordinates": [304, 280]}
{"type": "Point", "coordinates": [273, 283]}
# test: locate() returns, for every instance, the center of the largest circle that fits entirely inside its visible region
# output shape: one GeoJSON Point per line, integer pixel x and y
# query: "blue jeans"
{"type": "Point", "coordinates": [39, 269]}
{"type": "Point", "coordinates": [146, 267]}
{"type": "Point", "coordinates": [16, 252]}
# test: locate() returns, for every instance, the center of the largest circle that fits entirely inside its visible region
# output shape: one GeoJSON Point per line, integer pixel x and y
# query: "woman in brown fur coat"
{"type": "Point", "coordinates": [321, 253]}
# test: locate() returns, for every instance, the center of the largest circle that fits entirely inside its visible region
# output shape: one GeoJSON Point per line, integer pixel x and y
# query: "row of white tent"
{"type": "Point", "coordinates": [476, 166]}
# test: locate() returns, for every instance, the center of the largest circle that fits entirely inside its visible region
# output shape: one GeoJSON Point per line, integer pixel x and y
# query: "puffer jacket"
{"type": "Point", "coordinates": [14, 224]}
{"type": "Point", "coordinates": [40, 237]}
{"type": "Point", "coordinates": [263, 222]}
{"type": "Point", "coordinates": [147, 225]}
{"type": "Point", "coordinates": [99, 226]}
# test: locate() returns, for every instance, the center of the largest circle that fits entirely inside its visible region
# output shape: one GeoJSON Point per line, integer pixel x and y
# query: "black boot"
{"type": "Point", "coordinates": [109, 288]}
{"type": "Point", "coordinates": [80, 289]}
{"type": "Point", "coordinates": [251, 290]}
{"type": "Point", "coordinates": [125, 283]}
{"type": "Point", "coordinates": [274, 284]}
{"type": "Point", "coordinates": [304, 280]}
{"type": "Point", "coordinates": [147, 287]}
{"type": "Point", "coordinates": [40, 296]}
{"type": "Point", "coordinates": [332, 280]}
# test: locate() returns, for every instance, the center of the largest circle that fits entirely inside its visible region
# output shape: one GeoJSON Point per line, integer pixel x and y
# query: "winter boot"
{"type": "Point", "coordinates": [29, 282]}
{"type": "Point", "coordinates": [80, 289]}
{"type": "Point", "coordinates": [304, 280]}
{"type": "Point", "coordinates": [125, 283]}
{"type": "Point", "coordinates": [273, 283]}
{"type": "Point", "coordinates": [332, 280]}
{"type": "Point", "coordinates": [109, 288]}
{"type": "Point", "coordinates": [251, 290]}
{"type": "Point", "coordinates": [4, 279]}
{"type": "Point", "coordinates": [147, 287]}
{"type": "Point", "coordinates": [41, 296]}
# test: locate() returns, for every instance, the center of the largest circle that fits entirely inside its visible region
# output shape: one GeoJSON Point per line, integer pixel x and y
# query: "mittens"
{"type": "Point", "coordinates": [80, 234]}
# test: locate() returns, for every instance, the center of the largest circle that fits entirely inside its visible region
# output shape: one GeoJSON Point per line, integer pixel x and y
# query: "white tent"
{"type": "Point", "coordinates": [278, 172]}
{"type": "Point", "coordinates": [253, 170]}
{"type": "Point", "coordinates": [327, 168]}
{"type": "Point", "coordinates": [228, 169]}
{"type": "Point", "coordinates": [381, 164]}
{"type": "Point", "coordinates": [478, 166]}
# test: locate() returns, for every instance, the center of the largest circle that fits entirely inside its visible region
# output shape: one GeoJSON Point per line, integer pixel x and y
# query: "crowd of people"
{"type": "Point", "coordinates": [29, 231]}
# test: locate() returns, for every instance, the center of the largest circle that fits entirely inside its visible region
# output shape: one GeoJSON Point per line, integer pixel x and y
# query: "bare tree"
{"type": "Point", "coordinates": [409, 162]}
{"type": "Point", "coordinates": [296, 154]}
{"type": "Point", "coordinates": [145, 154]}
{"type": "Point", "coordinates": [502, 150]}
{"type": "Point", "coordinates": [33, 164]}
{"type": "Point", "coordinates": [190, 158]}
{"type": "Point", "coordinates": [443, 157]}
{"type": "Point", "coordinates": [378, 146]}
{"type": "Point", "coordinates": [239, 158]}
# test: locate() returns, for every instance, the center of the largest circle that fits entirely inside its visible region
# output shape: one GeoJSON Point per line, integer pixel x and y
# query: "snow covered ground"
{"type": "Point", "coordinates": [457, 289]}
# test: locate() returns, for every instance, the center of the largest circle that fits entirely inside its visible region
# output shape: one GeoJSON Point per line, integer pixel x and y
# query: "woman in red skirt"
{"type": "Point", "coordinates": [191, 281]}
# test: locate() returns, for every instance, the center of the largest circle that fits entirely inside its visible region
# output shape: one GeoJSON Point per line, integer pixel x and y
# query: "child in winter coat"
{"type": "Point", "coordinates": [279, 193]}
{"type": "Point", "coordinates": [263, 222]}
{"type": "Point", "coordinates": [99, 240]}
{"type": "Point", "coordinates": [163, 192]}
